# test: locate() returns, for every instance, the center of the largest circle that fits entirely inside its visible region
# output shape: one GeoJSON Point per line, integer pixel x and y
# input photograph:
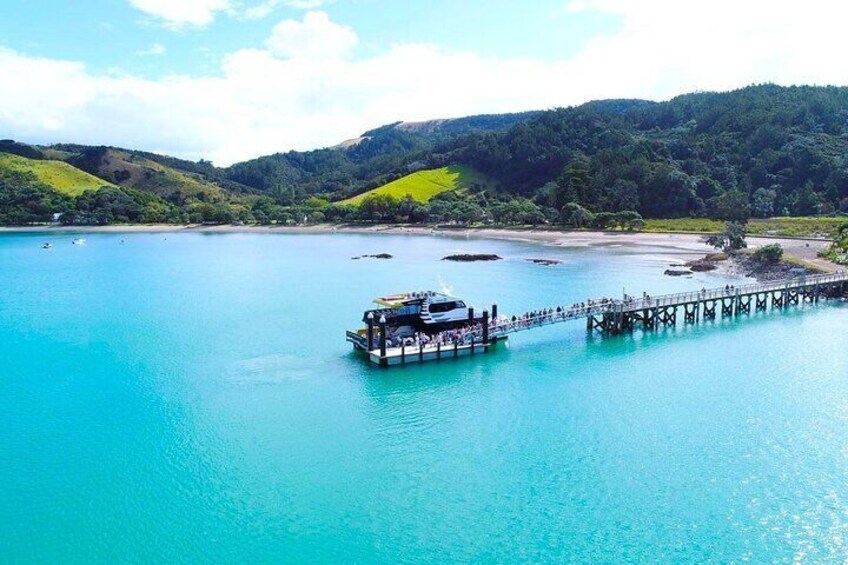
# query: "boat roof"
{"type": "Point", "coordinates": [397, 300]}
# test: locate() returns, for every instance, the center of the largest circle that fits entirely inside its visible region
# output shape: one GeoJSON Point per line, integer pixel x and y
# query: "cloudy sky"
{"type": "Point", "coordinates": [228, 80]}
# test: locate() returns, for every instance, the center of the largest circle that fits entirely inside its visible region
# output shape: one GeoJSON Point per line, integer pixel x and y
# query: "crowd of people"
{"type": "Point", "coordinates": [502, 324]}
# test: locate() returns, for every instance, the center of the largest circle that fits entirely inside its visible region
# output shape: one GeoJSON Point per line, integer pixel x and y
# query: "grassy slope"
{"type": "Point", "coordinates": [790, 227]}
{"type": "Point", "coordinates": [55, 174]}
{"type": "Point", "coordinates": [150, 176]}
{"type": "Point", "coordinates": [424, 185]}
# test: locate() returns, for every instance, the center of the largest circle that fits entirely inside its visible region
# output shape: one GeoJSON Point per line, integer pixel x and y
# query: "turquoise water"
{"type": "Point", "coordinates": [190, 397]}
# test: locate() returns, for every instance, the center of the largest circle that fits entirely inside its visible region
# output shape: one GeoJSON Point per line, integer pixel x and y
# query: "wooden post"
{"type": "Point", "coordinates": [370, 331]}
{"type": "Point", "coordinates": [382, 339]}
{"type": "Point", "coordinates": [494, 312]}
{"type": "Point", "coordinates": [485, 329]}
{"type": "Point", "coordinates": [470, 315]}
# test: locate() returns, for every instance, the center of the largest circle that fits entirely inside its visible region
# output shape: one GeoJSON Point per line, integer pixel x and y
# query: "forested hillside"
{"type": "Point", "coordinates": [777, 150]}
{"type": "Point", "coordinates": [375, 158]}
{"type": "Point", "coordinates": [761, 151]}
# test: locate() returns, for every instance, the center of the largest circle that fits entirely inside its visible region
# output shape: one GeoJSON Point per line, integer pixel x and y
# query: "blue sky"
{"type": "Point", "coordinates": [233, 79]}
{"type": "Point", "coordinates": [109, 35]}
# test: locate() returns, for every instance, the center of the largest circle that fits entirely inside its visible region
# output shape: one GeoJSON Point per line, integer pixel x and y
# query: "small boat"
{"type": "Point", "coordinates": [47, 245]}
{"type": "Point", "coordinates": [79, 241]}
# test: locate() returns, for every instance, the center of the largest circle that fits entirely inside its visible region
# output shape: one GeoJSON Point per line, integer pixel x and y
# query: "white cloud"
{"type": "Point", "coordinates": [155, 49]}
{"type": "Point", "coordinates": [315, 38]}
{"type": "Point", "coordinates": [180, 13]}
{"type": "Point", "coordinates": [304, 90]}
{"type": "Point", "coordinates": [268, 6]}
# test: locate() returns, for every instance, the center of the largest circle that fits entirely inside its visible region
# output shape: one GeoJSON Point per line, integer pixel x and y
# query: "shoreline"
{"type": "Point", "coordinates": [804, 250]}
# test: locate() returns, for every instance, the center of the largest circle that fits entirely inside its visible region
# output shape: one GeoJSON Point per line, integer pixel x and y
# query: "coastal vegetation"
{"type": "Point", "coordinates": [731, 238]}
{"type": "Point", "coordinates": [771, 253]}
{"type": "Point", "coordinates": [688, 164]}
{"type": "Point", "coordinates": [838, 251]}
{"type": "Point", "coordinates": [822, 226]}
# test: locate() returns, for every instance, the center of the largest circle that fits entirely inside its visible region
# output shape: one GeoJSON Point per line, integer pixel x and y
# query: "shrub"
{"type": "Point", "coordinates": [769, 253]}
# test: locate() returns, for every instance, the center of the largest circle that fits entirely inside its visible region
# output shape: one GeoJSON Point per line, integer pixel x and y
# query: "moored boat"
{"type": "Point", "coordinates": [420, 326]}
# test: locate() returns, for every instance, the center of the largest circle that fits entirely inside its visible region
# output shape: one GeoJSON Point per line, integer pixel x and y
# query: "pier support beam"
{"type": "Point", "coordinates": [383, 360]}
{"type": "Point", "coordinates": [485, 331]}
{"type": "Point", "coordinates": [370, 331]}
{"type": "Point", "coordinates": [792, 296]}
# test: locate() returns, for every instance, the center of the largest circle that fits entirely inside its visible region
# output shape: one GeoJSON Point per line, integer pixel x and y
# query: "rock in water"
{"type": "Point", "coordinates": [701, 266]}
{"type": "Point", "coordinates": [675, 273]}
{"type": "Point", "coordinates": [545, 262]}
{"type": "Point", "coordinates": [468, 257]}
{"type": "Point", "coordinates": [377, 256]}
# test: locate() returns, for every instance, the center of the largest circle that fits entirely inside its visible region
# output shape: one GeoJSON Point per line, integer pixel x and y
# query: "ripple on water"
{"type": "Point", "coordinates": [195, 397]}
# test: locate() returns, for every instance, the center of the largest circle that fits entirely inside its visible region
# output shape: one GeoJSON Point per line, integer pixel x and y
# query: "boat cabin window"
{"type": "Point", "coordinates": [408, 309]}
{"type": "Point", "coordinates": [438, 307]}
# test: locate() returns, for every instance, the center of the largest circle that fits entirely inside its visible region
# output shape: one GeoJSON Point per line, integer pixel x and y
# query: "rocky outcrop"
{"type": "Point", "coordinates": [701, 266]}
{"type": "Point", "coordinates": [677, 273]}
{"type": "Point", "coordinates": [469, 257]}
{"type": "Point", "coordinates": [376, 256]}
{"type": "Point", "coordinates": [544, 262]}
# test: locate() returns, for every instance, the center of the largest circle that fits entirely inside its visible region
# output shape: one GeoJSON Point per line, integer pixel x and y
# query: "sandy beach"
{"type": "Point", "coordinates": [803, 249]}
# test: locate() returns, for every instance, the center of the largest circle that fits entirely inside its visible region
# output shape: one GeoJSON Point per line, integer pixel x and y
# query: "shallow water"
{"type": "Point", "coordinates": [190, 397]}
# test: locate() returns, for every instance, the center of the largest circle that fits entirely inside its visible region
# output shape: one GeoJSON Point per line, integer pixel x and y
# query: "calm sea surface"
{"type": "Point", "coordinates": [190, 397]}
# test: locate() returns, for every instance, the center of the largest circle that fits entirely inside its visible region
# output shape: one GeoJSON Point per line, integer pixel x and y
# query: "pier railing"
{"type": "Point", "coordinates": [611, 306]}
{"type": "Point", "coordinates": [611, 315]}
{"type": "Point", "coordinates": [681, 298]}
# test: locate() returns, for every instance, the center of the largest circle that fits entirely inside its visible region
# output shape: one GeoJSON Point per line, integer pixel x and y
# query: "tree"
{"type": "Point", "coordinates": [629, 220]}
{"type": "Point", "coordinates": [466, 213]}
{"type": "Point", "coordinates": [378, 208]}
{"type": "Point", "coordinates": [732, 238]}
{"type": "Point", "coordinates": [575, 215]}
{"type": "Point", "coordinates": [762, 205]}
{"type": "Point", "coordinates": [574, 183]}
{"type": "Point", "coordinates": [807, 202]}
{"type": "Point", "coordinates": [731, 206]}
{"type": "Point", "coordinates": [771, 253]}
{"type": "Point", "coordinates": [603, 220]}
{"type": "Point", "coordinates": [838, 251]}
{"type": "Point", "coordinates": [623, 195]}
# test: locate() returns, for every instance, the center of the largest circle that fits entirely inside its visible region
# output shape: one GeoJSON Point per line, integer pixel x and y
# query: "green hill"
{"type": "Point", "coordinates": [57, 175]}
{"type": "Point", "coordinates": [424, 185]}
{"type": "Point", "coordinates": [139, 171]}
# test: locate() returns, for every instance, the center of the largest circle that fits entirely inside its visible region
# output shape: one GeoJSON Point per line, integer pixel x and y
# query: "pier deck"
{"type": "Point", "coordinates": [618, 316]}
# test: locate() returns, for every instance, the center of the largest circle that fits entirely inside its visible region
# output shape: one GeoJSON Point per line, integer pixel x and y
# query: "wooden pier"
{"type": "Point", "coordinates": [618, 316]}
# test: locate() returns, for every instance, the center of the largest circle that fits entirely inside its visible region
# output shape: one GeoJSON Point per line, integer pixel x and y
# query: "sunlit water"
{"type": "Point", "coordinates": [190, 398]}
